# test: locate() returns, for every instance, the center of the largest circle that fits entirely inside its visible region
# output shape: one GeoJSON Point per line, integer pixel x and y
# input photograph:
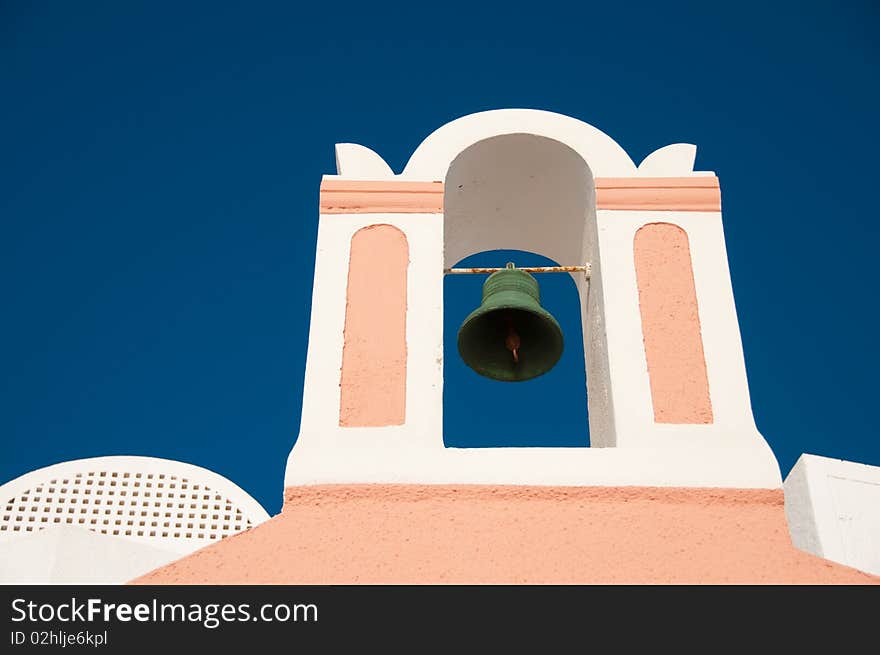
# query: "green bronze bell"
{"type": "Point", "coordinates": [510, 337]}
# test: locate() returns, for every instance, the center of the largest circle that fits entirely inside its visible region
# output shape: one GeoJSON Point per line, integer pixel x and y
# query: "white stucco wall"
{"type": "Point", "coordinates": [68, 554]}
{"type": "Point", "coordinates": [733, 423]}
{"type": "Point", "coordinates": [319, 423]}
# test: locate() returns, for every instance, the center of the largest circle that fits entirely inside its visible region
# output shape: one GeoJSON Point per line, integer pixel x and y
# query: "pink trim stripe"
{"type": "Point", "coordinates": [624, 193]}
{"type": "Point", "coordinates": [698, 182]}
{"type": "Point", "coordinates": [659, 193]}
{"type": "Point", "coordinates": [373, 376]}
{"type": "Point", "coordinates": [671, 325]}
{"type": "Point", "coordinates": [377, 197]}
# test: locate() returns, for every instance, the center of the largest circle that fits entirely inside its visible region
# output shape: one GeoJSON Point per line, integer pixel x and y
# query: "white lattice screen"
{"type": "Point", "coordinates": [133, 504]}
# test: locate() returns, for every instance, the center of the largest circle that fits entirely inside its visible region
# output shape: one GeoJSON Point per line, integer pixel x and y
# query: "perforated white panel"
{"type": "Point", "coordinates": [128, 497]}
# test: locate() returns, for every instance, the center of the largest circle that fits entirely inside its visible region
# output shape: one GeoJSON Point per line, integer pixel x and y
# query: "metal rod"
{"type": "Point", "coordinates": [528, 269]}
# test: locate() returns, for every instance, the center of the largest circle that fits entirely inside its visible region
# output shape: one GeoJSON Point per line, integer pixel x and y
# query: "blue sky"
{"type": "Point", "coordinates": [160, 168]}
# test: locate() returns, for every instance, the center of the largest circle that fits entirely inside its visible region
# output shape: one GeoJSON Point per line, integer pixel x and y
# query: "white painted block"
{"type": "Point", "coordinates": [67, 554]}
{"type": "Point", "coordinates": [833, 510]}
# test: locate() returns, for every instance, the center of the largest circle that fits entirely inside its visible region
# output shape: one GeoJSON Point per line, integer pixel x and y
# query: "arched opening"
{"type": "Point", "coordinates": [534, 196]}
{"type": "Point", "coordinates": [518, 192]}
{"type": "Point", "coordinates": [549, 410]}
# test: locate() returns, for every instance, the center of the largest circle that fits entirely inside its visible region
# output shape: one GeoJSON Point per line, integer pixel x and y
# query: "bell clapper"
{"type": "Point", "coordinates": [512, 342]}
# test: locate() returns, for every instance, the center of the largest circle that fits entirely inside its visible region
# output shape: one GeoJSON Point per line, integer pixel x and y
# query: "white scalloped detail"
{"type": "Point", "coordinates": [674, 160]}
{"type": "Point", "coordinates": [357, 162]}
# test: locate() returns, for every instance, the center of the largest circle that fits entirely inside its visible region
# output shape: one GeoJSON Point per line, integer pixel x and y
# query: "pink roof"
{"type": "Point", "coordinates": [390, 534]}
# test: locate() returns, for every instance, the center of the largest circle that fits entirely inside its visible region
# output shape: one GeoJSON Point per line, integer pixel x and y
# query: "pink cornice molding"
{"type": "Point", "coordinates": [622, 193]}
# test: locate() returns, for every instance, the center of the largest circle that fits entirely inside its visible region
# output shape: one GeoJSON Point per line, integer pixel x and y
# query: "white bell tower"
{"type": "Point", "coordinates": [668, 396]}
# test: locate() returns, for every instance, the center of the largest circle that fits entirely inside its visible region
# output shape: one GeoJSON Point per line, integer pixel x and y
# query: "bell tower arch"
{"type": "Point", "coordinates": [668, 395]}
{"type": "Point", "coordinates": [529, 192]}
